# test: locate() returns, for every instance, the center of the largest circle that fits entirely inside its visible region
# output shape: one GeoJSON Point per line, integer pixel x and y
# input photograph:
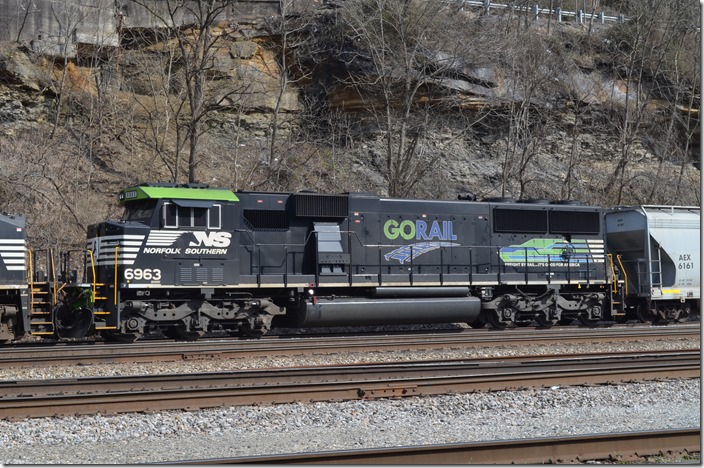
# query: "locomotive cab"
{"type": "Point", "coordinates": [13, 285]}
{"type": "Point", "coordinates": [169, 263]}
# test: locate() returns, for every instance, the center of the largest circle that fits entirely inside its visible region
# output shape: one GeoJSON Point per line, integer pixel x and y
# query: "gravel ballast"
{"type": "Point", "coordinates": [291, 428]}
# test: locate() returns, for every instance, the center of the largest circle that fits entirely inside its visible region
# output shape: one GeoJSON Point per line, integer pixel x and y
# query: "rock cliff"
{"type": "Point", "coordinates": [293, 102]}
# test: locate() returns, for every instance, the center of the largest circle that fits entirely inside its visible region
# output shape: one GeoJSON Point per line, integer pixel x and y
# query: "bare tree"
{"type": "Point", "coordinates": [162, 106]}
{"type": "Point", "coordinates": [192, 23]}
{"type": "Point", "coordinates": [68, 17]}
{"type": "Point", "coordinates": [530, 72]}
{"type": "Point", "coordinates": [401, 59]}
{"type": "Point", "coordinates": [641, 48]}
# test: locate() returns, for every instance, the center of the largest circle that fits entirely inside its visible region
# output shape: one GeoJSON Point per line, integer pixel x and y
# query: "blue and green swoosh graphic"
{"type": "Point", "coordinates": [552, 251]}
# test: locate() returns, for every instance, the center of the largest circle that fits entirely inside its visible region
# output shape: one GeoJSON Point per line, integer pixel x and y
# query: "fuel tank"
{"type": "Point", "coordinates": [326, 312]}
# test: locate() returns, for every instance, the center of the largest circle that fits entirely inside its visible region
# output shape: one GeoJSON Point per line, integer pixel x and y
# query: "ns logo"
{"type": "Point", "coordinates": [210, 239]}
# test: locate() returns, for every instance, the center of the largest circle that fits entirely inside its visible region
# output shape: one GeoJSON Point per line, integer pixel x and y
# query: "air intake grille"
{"type": "Point", "coordinates": [266, 220]}
{"type": "Point", "coordinates": [575, 222]}
{"type": "Point", "coordinates": [320, 206]}
{"type": "Point", "coordinates": [519, 221]}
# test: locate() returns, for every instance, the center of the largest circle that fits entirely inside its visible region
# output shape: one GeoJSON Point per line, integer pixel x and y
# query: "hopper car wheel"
{"type": "Point", "coordinates": [684, 315]}
{"type": "Point", "coordinates": [117, 337]}
{"type": "Point", "coordinates": [179, 332]}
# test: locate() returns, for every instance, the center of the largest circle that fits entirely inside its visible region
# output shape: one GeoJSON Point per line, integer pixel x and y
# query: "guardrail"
{"type": "Point", "coordinates": [580, 16]}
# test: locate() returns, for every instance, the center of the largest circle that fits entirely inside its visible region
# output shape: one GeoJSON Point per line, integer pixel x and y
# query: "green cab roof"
{"type": "Point", "coordinates": [176, 192]}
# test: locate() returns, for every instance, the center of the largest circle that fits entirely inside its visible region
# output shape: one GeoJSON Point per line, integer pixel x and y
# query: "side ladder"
{"type": "Point", "coordinates": [88, 282]}
{"type": "Point", "coordinates": [42, 295]}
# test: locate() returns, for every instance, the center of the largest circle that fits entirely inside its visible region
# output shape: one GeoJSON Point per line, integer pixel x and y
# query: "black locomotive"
{"type": "Point", "coordinates": [187, 259]}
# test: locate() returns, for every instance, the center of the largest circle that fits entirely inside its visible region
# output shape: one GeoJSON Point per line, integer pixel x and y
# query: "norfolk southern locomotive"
{"type": "Point", "coordinates": [187, 259]}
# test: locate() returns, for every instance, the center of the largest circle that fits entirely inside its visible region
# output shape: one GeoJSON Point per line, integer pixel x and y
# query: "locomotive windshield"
{"type": "Point", "coordinates": [139, 211]}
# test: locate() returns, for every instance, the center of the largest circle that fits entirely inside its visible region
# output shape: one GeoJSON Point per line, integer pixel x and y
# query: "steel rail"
{"type": "Point", "coordinates": [41, 398]}
{"type": "Point", "coordinates": [567, 449]}
{"type": "Point", "coordinates": [99, 352]}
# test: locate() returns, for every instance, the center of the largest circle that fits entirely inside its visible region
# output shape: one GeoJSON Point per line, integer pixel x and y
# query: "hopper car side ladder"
{"type": "Point", "coordinates": [619, 286]}
{"type": "Point", "coordinates": [649, 272]}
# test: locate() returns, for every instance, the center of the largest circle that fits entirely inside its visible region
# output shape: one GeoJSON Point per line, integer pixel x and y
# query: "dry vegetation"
{"type": "Point", "coordinates": [402, 98]}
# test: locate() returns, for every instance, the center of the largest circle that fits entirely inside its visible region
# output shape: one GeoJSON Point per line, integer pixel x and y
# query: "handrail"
{"type": "Point", "coordinates": [53, 275]}
{"type": "Point", "coordinates": [92, 266]}
{"type": "Point", "coordinates": [625, 274]}
{"type": "Point", "coordinates": [613, 273]}
{"type": "Point", "coordinates": [573, 266]}
{"type": "Point", "coordinates": [31, 279]}
{"type": "Point", "coordinates": [115, 275]}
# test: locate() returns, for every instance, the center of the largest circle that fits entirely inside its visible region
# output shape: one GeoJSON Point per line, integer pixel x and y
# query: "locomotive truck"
{"type": "Point", "coordinates": [186, 259]}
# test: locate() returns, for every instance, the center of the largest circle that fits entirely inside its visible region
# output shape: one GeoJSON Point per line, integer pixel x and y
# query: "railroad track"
{"type": "Point", "coordinates": [169, 351]}
{"type": "Point", "coordinates": [570, 449]}
{"type": "Point", "coordinates": [42, 398]}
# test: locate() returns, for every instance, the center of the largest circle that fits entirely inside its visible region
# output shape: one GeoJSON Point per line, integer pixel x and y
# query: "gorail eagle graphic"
{"type": "Point", "coordinates": [554, 250]}
{"type": "Point", "coordinates": [407, 253]}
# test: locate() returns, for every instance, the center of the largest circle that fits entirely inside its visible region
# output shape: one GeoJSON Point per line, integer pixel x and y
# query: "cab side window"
{"type": "Point", "coordinates": [175, 216]}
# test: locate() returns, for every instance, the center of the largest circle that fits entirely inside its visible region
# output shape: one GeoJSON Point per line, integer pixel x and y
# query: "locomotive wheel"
{"type": "Point", "coordinates": [495, 322]}
{"type": "Point", "coordinates": [545, 319]}
{"type": "Point", "coordinates": [585, 320]}
{"type": "Point", "coordinates": [621, 318]}
{"type": "Point", "coordinates": [178, 332]}
{"type": "Point", "coordinates": [545, 322]}
{"type": "Point", "coordinates": [477, 324]}
{"type": "Point", "coordinates": [645, 314]}
{"type": "Point", "coordinates": [250, 332]}
{"type": "Point", "coordinates": [117, 337]}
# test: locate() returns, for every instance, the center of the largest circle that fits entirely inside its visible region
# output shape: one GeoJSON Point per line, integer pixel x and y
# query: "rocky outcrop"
{"type": "Point", "coordinates": [124, 117]}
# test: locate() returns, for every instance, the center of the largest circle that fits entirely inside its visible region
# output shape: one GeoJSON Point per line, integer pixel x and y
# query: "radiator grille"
{"type": "Point", "coordinates": [575, 222]}
{"type": "Point", "coordinates": [322, 206]}
{"type": "Point", "coordinates": [520, 221]}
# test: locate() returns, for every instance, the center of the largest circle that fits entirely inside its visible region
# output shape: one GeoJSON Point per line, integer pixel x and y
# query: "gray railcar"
{"type": "Point", "coordinates": [659, 249]}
